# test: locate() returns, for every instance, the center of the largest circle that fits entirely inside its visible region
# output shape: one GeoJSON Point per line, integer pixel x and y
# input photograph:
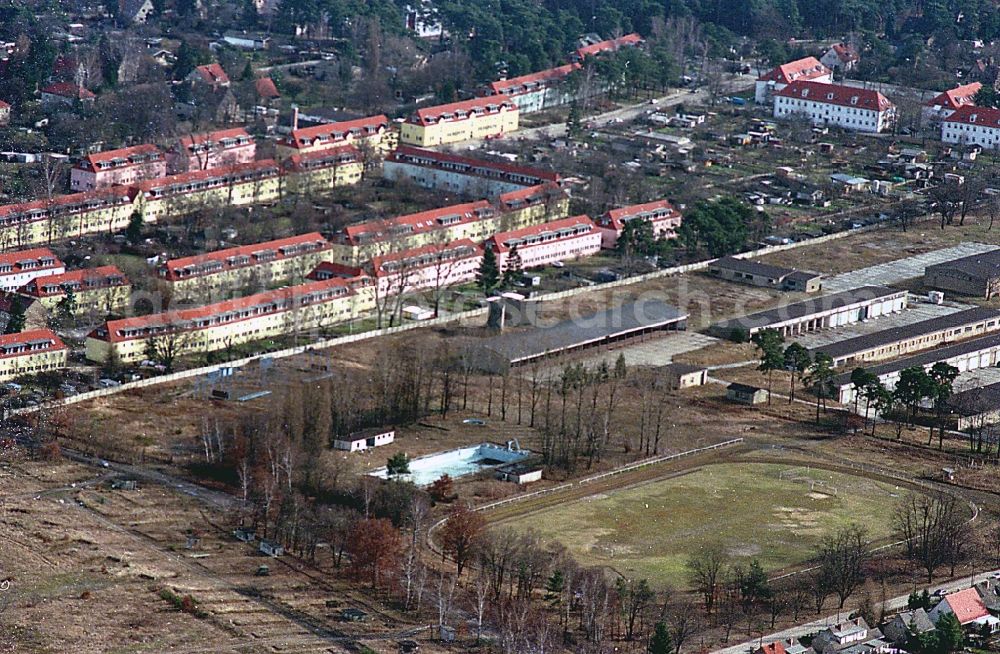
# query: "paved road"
{"type": "Point", "coordinates": [893, 604]}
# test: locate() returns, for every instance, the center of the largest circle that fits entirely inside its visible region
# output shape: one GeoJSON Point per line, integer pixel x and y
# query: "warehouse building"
{"type": "Point", "coordinates": [900, 341]}
{"type": "Point", "coordinates": [755, 273]}
{"type": "Point", "coordinates": [824, 312]}
{"type": "Point", "coordinates": [976, 275]}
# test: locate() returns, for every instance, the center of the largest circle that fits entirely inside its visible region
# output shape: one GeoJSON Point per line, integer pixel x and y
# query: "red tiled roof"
{"type": "Point", "coordinates": [91, 160]}
{"type": "Point", "coordinates": [499, 240]}
{"type": "Point", "coordinates": [804, 69]}
{"type": "Point", "coordinates": [335, 131]}
{"type": "Point", "coordinates": [268, 302]}
{"type": "Point", "coordinates": [460, 110]}
{"type": "Point", "coordinates": [551, 74]}
{"type": "Point", "coordinates": [966, 605]}
{"type": "Point", "coordinates": [199, 175]}
{"type": "Point", "coordinates": [214, 137]}
{"type": "Point", "coordinates": [528, 196]}
{"type": "Point", "coordinates": [266, 88]}
{"type": "Point", "coordinates": [404, 152]}
{"type": "Point", "coordinates": [845, 52]}
{"type": "Point", "coordinates": [777, 647]}
{"type": "Point", "coordinates": [434, 249]}
{"type": "Point", "coordinates": [72, 202]}
{"type": "Point", "coordinates": [12, 258]}
{"type": "Point", "coordinates": [846, 96]}
{"type": "Point", "coordinates": [956, 97]}
{"type": "Point", "coordinates": [230, 258]}
{"type": "Point", "coordinates": [335, 155]}
{"type": "Point", "coordinates": [328, 269]}
{"type": "Point", "coordinates": [416, 223]}
{"type": "Point", "coordinates": [615, 216]}
{"type": "Point", "coordinates": [609, 45]}
{"type": "Point", "coordinates": [8, 341]}
{"type": "Point", "coordinates": [213, 74]}
{"type": "Point", "coordinates": [67, 90]}
{"type": "Point", "coordinates": [101, 274]}
{"type": "Point", "coordinates": [4, 105]}
{"type": "Point", "coordinates": [972, 115]}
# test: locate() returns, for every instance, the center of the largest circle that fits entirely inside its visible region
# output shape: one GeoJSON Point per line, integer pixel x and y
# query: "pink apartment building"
{"type": "Point", "coordinates": [117, 168]}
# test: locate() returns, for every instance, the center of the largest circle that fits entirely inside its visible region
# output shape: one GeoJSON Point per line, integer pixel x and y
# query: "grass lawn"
{"type": "Point", "coordinates": [650, 530]}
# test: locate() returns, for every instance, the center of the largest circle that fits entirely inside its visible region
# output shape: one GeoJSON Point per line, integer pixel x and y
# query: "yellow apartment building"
{"type": "Point", "coordinates": [250, 268]}
{"type": "Point", "coordinates": [374, 132]}
{"type": "Point", "coordinates": [321, 171]}
{"type": "Point", "coordinates": [479, 118]}
{"type": "Point", "coordinates": [31, 352]}
{"type": "Point", "coordinates": [65, 216]}
{"type": "Point", "coordinates": [95, 291]}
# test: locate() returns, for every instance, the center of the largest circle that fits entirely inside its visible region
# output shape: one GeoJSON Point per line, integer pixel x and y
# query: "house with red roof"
{"type": "Point", "coordinates": [536, 91]}
{"type": "Point", "coordinates": [31, 352]}
{"type": "Point", "coordinates": [611, 45]}
{"type": "Point", "coordinates": [542, 245]}
{"type": "Point", "coordinates": [371, 131]}
{"type": "Point", "coordinates": [208, 150]}
{"type": "Point", "coordinates": [117, 167]}
{"type": "Point", "coordinates": [19, 267]}
{"type": "Point", "coordinates": [95, 291]}
{"type": "Point", "coordinates": [972, 126]}
{"type": "Point", "coordinates": [211, 74]}
{"type": "Point", "coordinates": [479, 118]}
{"type": "Point", "coordinates": [454, 173]}
{"type": "Point", "coordinates": [945, 104]}
{"type": "Point", "coordinates": [807, 69]}
{"type": "Point", "coordinates": [967, 606]}
{"type": "Point", "coordinates": [834, 105]}
{"type": "Point", "coordinates": [664, 219]}
{"type": "Point", "coordinates": [842, 57]}
{"type": "Point", "coordinates": [432, 266]}
{"type": "Point", "coordinates": [4, 113]}
{"type": "Point", "coordinates": [65, 93]}
{"type": "Point", "coordinates": [266, 89]}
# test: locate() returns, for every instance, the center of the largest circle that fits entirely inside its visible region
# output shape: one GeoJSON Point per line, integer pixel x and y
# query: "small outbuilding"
{"type": "Point", "coordinates": [519, 473]}
{"type": "Point", "coordinates": [245, 534]}
{"type": "Point", "coordinates": [270, 548]}
{"type": "Point", "coordinates": [745, 394]}
{"type": "Point", "coordinates": [364, 439]}
{"type": "Point", "coordinates": [683, 375]}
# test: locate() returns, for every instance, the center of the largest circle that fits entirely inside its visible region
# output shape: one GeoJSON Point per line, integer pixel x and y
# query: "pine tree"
{"type": "Point", "coordinates": [134, 230]}
{"type": "Point", "coordinates": [661, 642]}
{"type": "Point", "coordinates": [554, 585]}
{"type": "Point", "coordinates": [513, 272]}
{"type": "Point", "coordinates": [15, 323]}
{"type": "Point", "coordinates": [67, 307]}
{"type": "Point", "coordinates": [488, 277]}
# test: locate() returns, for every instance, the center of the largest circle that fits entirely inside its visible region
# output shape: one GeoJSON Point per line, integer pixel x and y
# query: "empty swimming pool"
{"type": "Point", "coordinates": [460, 462]}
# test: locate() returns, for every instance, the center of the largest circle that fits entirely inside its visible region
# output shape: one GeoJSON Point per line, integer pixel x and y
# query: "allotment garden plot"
{"type": "Point", "coordinates": [775, 513]}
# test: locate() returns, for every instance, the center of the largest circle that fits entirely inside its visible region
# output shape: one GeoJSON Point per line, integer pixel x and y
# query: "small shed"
{"type": "Point", "coordinates": [364, 439]}
{"type": "Point", "coordinates": [125, 484]}
{"type": "Point", "coordinates": [519, 473]}
{"type": "Point", "coordinates": [353, 615]}
{"type": "Point", "coordinates": [270, 548]}
{"type": "Point", "coordinates": [683, 375]}
{"type": "Point", "coordinates": [745, 394]}
{"type": "Point", "coordinates": [245, 534]}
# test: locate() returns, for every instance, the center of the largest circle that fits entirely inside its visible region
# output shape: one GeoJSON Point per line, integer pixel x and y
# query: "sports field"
{"type": "Point", "coordinates": [775, 513]}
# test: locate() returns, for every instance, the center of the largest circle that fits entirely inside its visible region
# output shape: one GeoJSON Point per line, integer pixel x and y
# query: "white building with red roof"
{"type": "Point", "coordinates": [945, 104]}
{"type": "Point", "coordinates": [807, 69]}
{"type": "Point", "coordinates": [841, 56]}
{"type": "Point", "coordinates": [610, 45]}
{"type": "Point", "coordinates": [433, 266]}
{"type": "Point", "coordinates": [4, 113]}
{"type": "Point", "coordinates": [545, 244]}
{"type": "Point", "coordinates": [665, 221]}
{"type": "Point", "coordinates": [224, 147]}
{"type": "Point", "coordinates": [65, 93]}
{"type": "Point", "coordinates": [970, 125]}
{"type": "Point", "coordinates": [20, 267]}
{"type": "Point", "coordinates": [31, 352]}
{"type": "Point", "coordinates": [211, 74]}
{"type": "Point", "coordinates": [834, 105]}
{"type": "Point", "coordinates": [117, 167]}
{"type": "Point", "coordinates": [967, 606]}
{"type": "Point", "coordinates": [455, 173]}
{"type": "Point", "coordinates": [478, 118]}
{"type": "Point", "coordinates": [371, 131]}
{"type": "Point", "coordinates": [536, 91]}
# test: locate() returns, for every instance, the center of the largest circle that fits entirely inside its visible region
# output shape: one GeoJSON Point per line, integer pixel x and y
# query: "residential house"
{"type": "Point", "coordinates": [247, 41]}
{"type": "Point", "coordinates": [211, 75]}
{"type": "Point", "coordinates": [122, 167]}
{"type": "Point", "coordinates": [31, 352]}
{"type": "Point", "coordinates": [610, 45]}
{"type": "Point", "coordinates": [479, 118]}
{"type": "Point", "coordinates": [776, 79]}
{"type": "Point", "coordinates": [311, 306]}
{"type": "Point", "coordinates": [266, 89]}
{"type": "Point", "coordinates": [745, 394]}
{"type": "Point", "coordinates": [859, 110]}
{"type": "Point", "coordinates": [365, 439]}
{"type": "Point", "coordinates": [902, 625]}
{"type": "Point", "coordinates": [135, 11]}
{"type": "Point", "coordinates": [968, 607]}
{"type": "Point", "coordinates": [371, 132]}
{"type": "Point", "coordinates": [972, 126]}
{"type": "Point", "coordinates": [95, 291]}
{"type": "Point", "coordinates": [20, 267]}
{"type": "Point", "coordinates": [258, 266]}
{"type": "Point", "coordinates": [537, 91]}
{"type": "Point", "coordinates": [841, 57]}
{"type": "Point", "coordinates": [423, 20]}
{"type": "Point", "coordinates": [65, 93]}
{"type": "Point", "coordinates": [4, 113]}
{"type": "Point", "coordinates": [664, 219]}
{"type": "Point", "coordinates": [547, 243]}
{"type": "Point", "coordinates": [320, 171]}
{"type": "Point", "coordinates": [755, 273]}
{"type": "Point", "coordinates": [270, 548]}
{"type": "Point", "coordinates": [65, 216]}
{"type": "Point", "coordinates": [850, 637]}
{"type": "Point", "coordinates": [205, 151]}
{"type": "Point", "coordinates": [455, 173]}
{"type": "Point", "coordinates": [945, 104]}
{"type": "Point", "coordinates": [433, 266]}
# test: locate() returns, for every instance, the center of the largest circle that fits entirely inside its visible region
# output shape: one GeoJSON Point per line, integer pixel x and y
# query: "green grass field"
{"type": "Point", "coordinates": [650, 530]}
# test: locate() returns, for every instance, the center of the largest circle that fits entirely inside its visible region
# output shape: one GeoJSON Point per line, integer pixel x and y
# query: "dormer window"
{"type": "Point", "coordinates": [972, 118]}
{"type": "Point", "coordinates": [829, 96]}
{"type": "Point", "coordinates": [854, 99]}
{"type": "Point", "coordinates": [805, 93]}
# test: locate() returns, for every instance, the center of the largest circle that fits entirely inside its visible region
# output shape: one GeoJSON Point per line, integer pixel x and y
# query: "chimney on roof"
{"type": "Point", "coordinates": [295, 117]}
